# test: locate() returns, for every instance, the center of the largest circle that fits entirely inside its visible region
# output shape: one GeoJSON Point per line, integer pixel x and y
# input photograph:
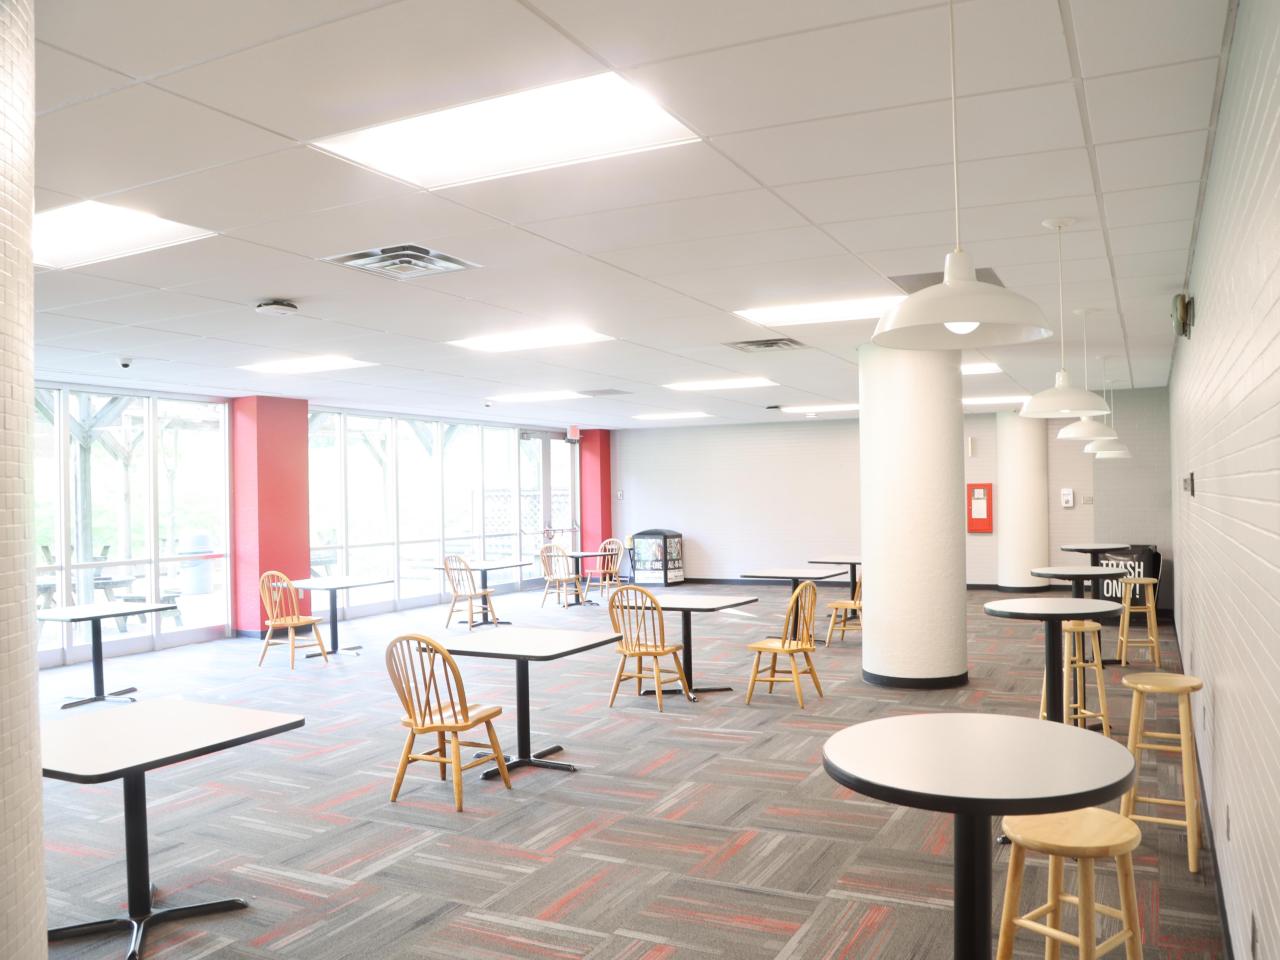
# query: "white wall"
{"type": "Point", "coordinates": [1225, 417]}
{"type": "Point", "coordinates": [1133, 499]}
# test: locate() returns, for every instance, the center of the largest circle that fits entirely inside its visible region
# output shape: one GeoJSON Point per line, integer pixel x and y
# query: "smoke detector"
{"type": "Point", "coordinates": [277, 308]}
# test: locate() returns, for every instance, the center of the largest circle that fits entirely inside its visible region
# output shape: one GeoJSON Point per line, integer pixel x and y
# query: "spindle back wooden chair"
{"type": "Point", "coordinates": [606, 573]}
{"type": "Point", "coordinates": [558, 572]}
{"type": "Point", "coordinates": [462, 584]}
{"type": "Point", "coordinates": [796, 641]}
{"type": "Point", "coordinates": [280, 599]}
{"type": "Point", "coordinates": [637, 615]}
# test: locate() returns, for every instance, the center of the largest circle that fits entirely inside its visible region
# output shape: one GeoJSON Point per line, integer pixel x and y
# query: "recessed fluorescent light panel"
{"type": "Point", "coordinates": [533, 338]}
{"type": "Point", "coordinates": [729, 383]}
{"type": "Point", "coordinates": [976, 369]}
{"type": "Point", "coordinates": [90, 232]}
{"type": "Point", "coordinates": [565, 123]}
{"type": "Point", "coordinates": [316, 364]}
{"type": "Point", "coordinates": [676, 415]}
{"type": "Point", "coordinates": [825, 311]}
{"type": "Point", "coordinates": [992, 401]}
{"type": "Point", "coordinates": [821, 408]}
{"type": "Point", "coordinates": [538, 396]}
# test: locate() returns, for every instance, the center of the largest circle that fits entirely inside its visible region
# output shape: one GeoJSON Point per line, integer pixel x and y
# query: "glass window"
{"type": "Point", "coordinates": [47, 478]}
{"type": "Point", "coordinates": [563, 514]}
{"type": "Point", "coordinates": [108, 463]}
{"type": "Point", "coordinates": [370, 481]}
{"type": "Point", "coordinates": [532, 506]}
{"type": "Point", "coordinates": [463, 489]}
{"type": "Point", "coordinates": [324, 461]}
{"type": "Point", "coordinates": [418, 455]}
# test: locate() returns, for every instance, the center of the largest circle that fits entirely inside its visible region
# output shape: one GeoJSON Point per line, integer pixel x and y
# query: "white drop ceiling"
{"type": "Point", "coordinates": [822, 171]}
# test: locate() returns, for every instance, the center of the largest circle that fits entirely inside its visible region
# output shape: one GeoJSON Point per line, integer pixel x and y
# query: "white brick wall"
{"type": "Point", "coordinates": [22, 896]}
{"type": "Point", "coordinates": [1133, 498]}
{"type": "Point", "coordinates": [1225, 415]}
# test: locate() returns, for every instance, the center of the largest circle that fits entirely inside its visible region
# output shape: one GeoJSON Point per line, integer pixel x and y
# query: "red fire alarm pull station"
{"type": "Point", "coordinates": [979, 507]}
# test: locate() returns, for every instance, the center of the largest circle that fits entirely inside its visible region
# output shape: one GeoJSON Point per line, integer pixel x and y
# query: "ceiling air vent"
{"type": "Point", "coordinates": [770, 345]}
{"type": "Point", "coordinates": [911, 282]}
{"type": "Point", "coordinates": [405, 261]}
{"type": "Point", "coordinates": [606, 392]}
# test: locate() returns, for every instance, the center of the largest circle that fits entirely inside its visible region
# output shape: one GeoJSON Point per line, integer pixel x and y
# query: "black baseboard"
{"type": "Point", "coordinates": [262, 634]}
{"type": "Point", "coordinates": [916, 683]}
{"type": "Point", "coordinates": [1036, 589]}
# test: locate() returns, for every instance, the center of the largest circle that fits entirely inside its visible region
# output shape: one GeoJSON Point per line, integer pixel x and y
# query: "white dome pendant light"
{"type": "Point", "coordinates": [1086, 428]}
{"type": "Point", "coordinates": [1110, 446]}
{"type": "Point", "coordinates": [962, 312]}
{"type": "Point", "coordinates": [1062, 399]}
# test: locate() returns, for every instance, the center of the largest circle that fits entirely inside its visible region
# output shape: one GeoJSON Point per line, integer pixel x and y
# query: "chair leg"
{"type": "Point", "coordinates": [404, 765]}
{"type": "Point", "coordinates": [657, 682]}
{"type": "Point", "coordinates": [813, 674]}
{"type": "Point", "coordinates": [1012, 895]}
{"type": "Point", "coordinates": [684, 683]}
{"type": "Point", "coordinates": [1088, 900]}
{"type": "Point", "coordinates": [455, 761]}
{"type": "Point", "coordinates": [751, 685]}
{"type": "Point", "coordinates": [293, 646]}
{"type": "Point", "coordinates": [617, 678]}
{"type": "Point", "coordinates": [795, 680]}
{"type": "Point", "coordinates": [1190, 789]}
{"type": "Point", "coordinates": [449, 619]}
{"type": "Point", "coordinates": [319, 638]}
{"type": "Point", "coordinates": [266, 643]}
{"type": "Point", "coordinates": [1129, 906]}
{"type": "Point", "coordinates": [1099, 676]}
{"type": "Point", "coordinates": [831, 626]}
{"type": "Point", "coordinates": [1135, 738]}
{"type": "Point", "coordinates": [546, 585]}
{"type": "Point", "coordinates": [471, 614]}
{"type": "Point", "coordinates": [1122, 632]}
{"type": "Point", "coordinates": [1052, 947]}
{"type": "Point", "coordinates": [442, 745]}
{"type": "Point", "coordinates": [488, 603]}
{"type": "Point", "coordinates": [497, 753]}
{"type": "Point", "coordinates": [773, 669]}
{"type": "Point", "coordinates": [1153, 626]}
{"type": "Point", "coordinates": [639, 676]}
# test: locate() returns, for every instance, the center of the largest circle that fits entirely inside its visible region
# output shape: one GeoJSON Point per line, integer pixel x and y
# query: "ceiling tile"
{"type": "Point", "coordinates": [797, 281]}
{"type": "Point", "coordinates": [1153, 162]}
{"type": "Point", "coordinates": [52, 327]}
{"type": "Point", "coordinates": [653, 176]}
{"type": "Point", "coordinates": [123, 338]}
{"type": "Point", "coordinates": [62, 78]}
{"type": "Point", "coordinates": [1161, 264]}
{"type": "Point", "coordinates": [1151, 237]}
{"type": "Point", "coordinates": [49, 199]}
{"type": "Point", "coordinates": [1112, 37]}
{"type": "Point", "coordinates": [144, 307]}
{"type": "Point", "coordinates": [135, 136]}
{"type": "Point", "coordinates": [272, 187]}
{"type": "Point", "coordinates": [246, 327]}
{"type": "Point", "coordinates": [393, 62]}
{"type": "Point", "coordinates": [1152, 285]}
{"type": "Point", "coordinates": [61, 288]}
{"type": "Point", "coordinates": [1129, 208]}
{"type": "Point", "coordinates": [772, 246]}
{"type": "Point", "coordinates": [1153, 102]}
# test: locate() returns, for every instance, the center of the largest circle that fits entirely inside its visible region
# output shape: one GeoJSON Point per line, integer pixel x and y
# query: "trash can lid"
{"type": "Point", "coordinates": [658, 533]}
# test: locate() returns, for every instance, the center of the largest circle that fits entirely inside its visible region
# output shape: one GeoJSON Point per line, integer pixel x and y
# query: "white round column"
{"type": "Point", "coordinates": [911, 441]}
{"type": "Point", "coordinates": [1022, 501]}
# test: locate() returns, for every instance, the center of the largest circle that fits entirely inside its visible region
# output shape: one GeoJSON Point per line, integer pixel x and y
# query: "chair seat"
{"type": "Point", "coordinates": [650, 651]}
{"type": "Point", "coordinates": [296, 621]}
{"type": "Point", "coordinates": [1081, 626]}
{"type": "Point", "coordinates": [478, 716]}
{"type": "Point", "coordinates": [1162, 682]}
{"type": "Point", "coordinates": [845, 605]}
{"type": "Point", "coordinates": [776, 645]}
{"type": "Point", "coordinates": [487, 592]}
{"type": "Point", "coordinates": [1091, 832]}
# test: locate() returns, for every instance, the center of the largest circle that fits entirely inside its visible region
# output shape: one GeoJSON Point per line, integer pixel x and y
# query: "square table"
{"type": "Point", "coordinates": [578, 556]}
{"type": "Point", "coordinates": [794, 574]}
{"type": "Point", "coordinates": [848, 559]}
{"type": "Point", "coordinates": [333, 585]}
{"type": "Point", "coordinates": [483, 567]}
{"type": "Point", "coordinates": [95, 613]}
{"type": "Point", "coordinates": [523, 644]}
{"type": "Point", "coordinates": [688, 604]}
{"type": "Point", "coordinates": [123, 745]}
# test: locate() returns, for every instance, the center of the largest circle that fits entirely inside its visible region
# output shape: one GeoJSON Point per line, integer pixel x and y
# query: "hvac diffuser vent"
{"type": "Point", "coordinates": [911, 282]}
{"type": "Point", "coordinates": [606, 392]}
{"type": "Point", "coordinates": [405, 261]}
{"type": "Point", "coordinates": [771, 345]}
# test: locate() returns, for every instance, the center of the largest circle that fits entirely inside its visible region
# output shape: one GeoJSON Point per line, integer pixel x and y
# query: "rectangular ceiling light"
{"type": "Point", "coordinates": [821, 408]}
{"type": "Point", "coordinates": [675, 415]}
{"type": "Point", "coordinates": [531, 338]}
{"type": "Point", "coordinates": [90, 232]}
{"type": "Point", "coordinates": [317, 364]}
{"type": "Point", "coordinates": [975, 369]}
{"type": "Point", "coordinates": [554, 126]}
{"type": "Point", "coordinates": [823, 311]}
{"type": "Point", "coordinates": [729, 383]}
{"type": "Point", "coordinates": [538, 396]}
{"type": "Point", "coordinates": [992, 401]}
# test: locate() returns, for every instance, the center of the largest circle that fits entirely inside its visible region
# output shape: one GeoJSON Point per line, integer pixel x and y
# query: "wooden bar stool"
{"type": "Point", "coordinates": [1085, 836]}
{"type": "Point", "coordinates": [1183, 743]}
{"type": "Point", "coordinates": [1074, 662]}
{"type": "Point", "coordinates": [845, 614]}
{"type": "Point", "coordinates": [1146, 588]}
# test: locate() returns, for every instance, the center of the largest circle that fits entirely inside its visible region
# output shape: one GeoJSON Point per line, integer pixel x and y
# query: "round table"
{"type": "Point", "coordinates": [1078, 575]}
{"type": "Point", "coordinates": [976, 766]}
{"type": "Point", "coordinates": [1052, 611]}
{"type": "Point", "coordinates": [1094, 550]}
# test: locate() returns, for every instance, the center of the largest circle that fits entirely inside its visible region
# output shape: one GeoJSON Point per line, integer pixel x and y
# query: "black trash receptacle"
{"type": "Point", "coordinates": [657, 557]}
{"type": "Point", "coordinates": [1140, 560]}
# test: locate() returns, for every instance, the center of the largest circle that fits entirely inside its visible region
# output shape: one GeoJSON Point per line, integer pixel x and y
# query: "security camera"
{"type": "Point", "coordinates": [126, 363]}
{"type": "Point", "coordinates": [487, 404]}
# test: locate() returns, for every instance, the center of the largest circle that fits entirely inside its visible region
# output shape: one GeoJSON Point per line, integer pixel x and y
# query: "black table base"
{"type": "Point", "coordinates": [99, 682]}
{"type": "Point", "coordinates": [581, 600]}
{"type": "Point", "coordinates": [333, 631]}
{"type": "Point", "coordinates": [525, 757]}
{"type": "Point", "coordinates": [972, 931]}
{"type": "Point", "coordinates": [141, 916]}
{"type": "Point", "coordinates": [686, 634]}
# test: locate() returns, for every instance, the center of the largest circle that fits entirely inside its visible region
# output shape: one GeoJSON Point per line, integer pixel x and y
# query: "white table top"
{"type": "Point", "coordinates": [700, 602]}
{"type": "Point", "coordinates": [527, 643]}
{"type": "Point", "coordinates": [340, 583]}
{"type": "Point", "coordinates": [101, 611]}
{"type": "Point", "coordinates": [1050, 608]}
{"type": "Point", "coordinates": [978, 763]}
{"type": "Point", "coordinates": [492, 564]}
{"type": "Point", "coordinates": [844, 559]}
{"type": "Point", "coordinates": [584, 554]}
{"type": "Point", "coordinates": [92, 746]}
{"type": "Point", "coordinates": [792, 573]}
{"type": "Point", "coordinates": [1092, 547]}
{"type": "Point", "coordinates": [1078, 573]}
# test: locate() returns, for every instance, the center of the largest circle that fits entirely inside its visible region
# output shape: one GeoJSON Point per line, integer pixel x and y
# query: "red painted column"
{"type": "Point", "coordinates": [270, 525]}
{"type": "Point", "coordinates": [595, 488]}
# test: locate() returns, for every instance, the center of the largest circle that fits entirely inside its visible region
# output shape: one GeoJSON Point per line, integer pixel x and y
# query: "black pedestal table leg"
{"type": "Point", "coordinates": [484, 599]}
{"type": "Point", "coordinates": [1053, 669]}
{"type": "Point", "coordinates": [99, 683]}
{"type": "Point", "coordinates": [525, 756]}
{"type": "Point", "coordinates": [972, 887]}
{"type": "Point", "coordinates": [853, 581]}
{"type": "Point", "coordinates": [333, 621]}
{"type": "Point", "coordinates": [1077, 589]}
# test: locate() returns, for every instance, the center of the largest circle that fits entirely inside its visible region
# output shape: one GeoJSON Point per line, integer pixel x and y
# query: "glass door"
{"type": "Point", "coordinates": [548, 493]}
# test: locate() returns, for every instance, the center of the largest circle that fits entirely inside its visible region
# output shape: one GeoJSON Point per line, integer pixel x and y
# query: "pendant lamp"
{"type": "Point", "coordinates": [1109, 448]}
{"type": "Point", "coordinates": [1062, 399]}
{"type": "Point", "coordinates": [1086, 428]}
{"type": "Point", "coordinates": [962, 312]}
{"type": "Point", "coordinates": [1121, 454]}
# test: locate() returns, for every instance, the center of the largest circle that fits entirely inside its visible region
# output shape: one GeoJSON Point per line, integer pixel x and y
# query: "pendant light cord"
{"type": "Point", "coordinates": [1062, 336]}
{"type": "Point", "coordinates": [1084, 350]}
{"type": "Point", "coordinates": [955, 152]}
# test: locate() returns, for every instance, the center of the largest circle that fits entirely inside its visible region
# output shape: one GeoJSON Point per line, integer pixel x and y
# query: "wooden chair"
{"type": "Point", "coordinates": [1084, 836]}
{"type": "Point", "coordinates": [796, 641]}
{"type": "Point", "coordinates": [845, 614]}
{"type": "Point", "coordinates": [280, 597]}
{"type": "Point", "coordinates": [1145, 587]}
{"type": "Point", "coordinates": [557, 571]}
{"type": "Point", "coordinates": [463, 586]}
{"type": "Point", "coordinates": [417, 666]}
{"type": "Point", "coordinates": [606, 574]}
{"type": "Point", "coordinates": [1075, 675]}
{"type": "Point", "coordinates": [637, 615]}
{"type": "Point", "coordinates": [1182, 743]}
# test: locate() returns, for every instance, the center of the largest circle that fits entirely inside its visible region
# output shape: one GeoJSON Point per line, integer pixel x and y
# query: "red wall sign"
{"type": "Point", "coordinates": [979, 507]}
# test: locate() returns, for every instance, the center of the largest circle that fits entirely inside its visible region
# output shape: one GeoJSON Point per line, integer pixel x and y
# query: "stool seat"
{"type": "Point", "coordinates": [1162, 682]}
{"type": "Point", "coordinates": [1145, 581]}
{"type": "Point", "coordinates": [1092, 832]}
{"type": "Point", "coordinates": [844, 605]}
{"type": "Point", "coordinates": [1081, 626]}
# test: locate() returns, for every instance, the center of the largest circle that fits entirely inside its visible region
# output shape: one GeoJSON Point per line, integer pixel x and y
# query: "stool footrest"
{"type": "Point", "coordinates": [1167, 821]}
{"type": "Point", "coordinates": [1163, 735]}
{"type": "Point", "coordinates": [1099, 907]}
{"type": "Point", "coordinates": [1161, 747]}
{"type": "Point", "coordinates": [1163, 801]}
{"type": "Point", "coordinates": [1046, 931]}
